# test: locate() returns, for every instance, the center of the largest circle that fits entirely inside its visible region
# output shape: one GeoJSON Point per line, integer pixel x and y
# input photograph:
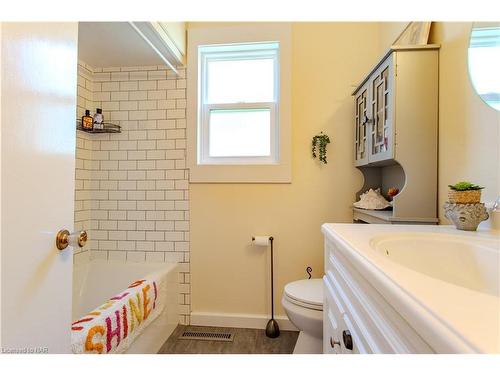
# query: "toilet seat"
{"type": "Point", "coordinates": [305, 293]}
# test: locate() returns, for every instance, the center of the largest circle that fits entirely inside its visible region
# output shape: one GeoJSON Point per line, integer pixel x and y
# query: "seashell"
{"type": "Point", "coordinates": [372, 200]}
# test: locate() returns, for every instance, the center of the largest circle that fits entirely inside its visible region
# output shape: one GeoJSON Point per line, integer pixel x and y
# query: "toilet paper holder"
{"type": "Point", "coordinates": [272, 327]}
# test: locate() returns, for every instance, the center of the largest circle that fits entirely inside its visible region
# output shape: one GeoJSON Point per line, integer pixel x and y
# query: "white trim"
{"type": "Point", "coordinates": [277, 171]}
{"type": "Point", "coordinates": [151, 44]}
{"type": "Point", "coordinates": [255, 321]}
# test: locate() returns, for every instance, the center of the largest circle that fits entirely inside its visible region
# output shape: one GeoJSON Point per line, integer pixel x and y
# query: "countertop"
{"type": "Point", "coordinates": [450, 318]}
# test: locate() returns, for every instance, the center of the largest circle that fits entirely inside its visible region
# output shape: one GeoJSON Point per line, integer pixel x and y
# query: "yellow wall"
{"type": "Point", "coordinates": [230, 276]}
{"type": "Point", "coordinates": [469, 130]}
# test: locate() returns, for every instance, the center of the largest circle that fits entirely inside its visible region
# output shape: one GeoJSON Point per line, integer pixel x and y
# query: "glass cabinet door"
{"type": "Point", "coordinates": [381, 129]}
{"type": "Point", "coordinates": [361, 127]}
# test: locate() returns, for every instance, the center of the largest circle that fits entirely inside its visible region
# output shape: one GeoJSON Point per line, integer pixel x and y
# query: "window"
{"type": "Point", "coordinates": [238, 104]}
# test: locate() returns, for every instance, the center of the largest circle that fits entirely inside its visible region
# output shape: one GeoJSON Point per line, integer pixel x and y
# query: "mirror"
{"type": "Point", "coordinates": [484, 61]}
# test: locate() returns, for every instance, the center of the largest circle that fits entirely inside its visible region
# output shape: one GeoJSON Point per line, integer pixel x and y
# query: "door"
{"type": "Point", "coordinates": [361, 123]}
{"type": "Point", "coordinates": [381, 106]}
{"type": "Point", "coordinates": [37, 123]}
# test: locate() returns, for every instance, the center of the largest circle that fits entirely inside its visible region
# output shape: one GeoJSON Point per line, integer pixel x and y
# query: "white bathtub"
{"type": "Point", "coordinates": [94, 282]}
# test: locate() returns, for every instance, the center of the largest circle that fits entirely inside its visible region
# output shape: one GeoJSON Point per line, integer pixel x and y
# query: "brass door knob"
{"type": "Point", "coordinates": [64, 238]}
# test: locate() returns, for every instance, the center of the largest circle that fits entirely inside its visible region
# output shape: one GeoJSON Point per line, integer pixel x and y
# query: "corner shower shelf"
{"type": "Point", "coordinates": [108, 128]}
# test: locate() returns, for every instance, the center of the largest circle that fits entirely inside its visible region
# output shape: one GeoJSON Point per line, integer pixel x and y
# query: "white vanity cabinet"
{"type": "Point", "coordinates": [356, 318]}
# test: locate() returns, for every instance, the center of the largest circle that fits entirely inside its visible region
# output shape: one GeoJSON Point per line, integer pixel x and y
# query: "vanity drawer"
{"type": "Point", "coordinates": [331, 337]}
{"type": "Point", "coordinates": [339, 330]}
{"type": "Point", "coordinates": [379, 327]}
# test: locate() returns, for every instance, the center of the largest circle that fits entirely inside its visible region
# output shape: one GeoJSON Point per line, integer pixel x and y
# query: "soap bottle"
{"type": "Point", "coordinates": [98, 119]}
{"type": "Point", "coordinates": [87, 121]}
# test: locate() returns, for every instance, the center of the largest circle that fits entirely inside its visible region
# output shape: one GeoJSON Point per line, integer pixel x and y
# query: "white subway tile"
{"type": "Point", "coordinates": [148, 104]}
{"type": "Point", "coordinates": [136, 256]}
{"type": "Point", "coordinates": [138, 76]}
{"type": "Point", "coordinates": [166, 124]}
{"type": "Point", "coordinates": [119, 95]}
{"type": "Point", "coordinates": [155, 257]}
{"type": "Point", "coordinates": [136, 235]}
{"type": "Point", "coordinates": [128, 105]}
{"type": "Point", "coordinates": [145, 246]}
{"type": "Point", "coordinates": [126, 245]}
{"type": "Point", "coordinates": [157, 94]}
{"type": "Point", "coordinates": [167, 246]}
{"type": "Point", "coordinates": [126, 225]}
{"type": "Point", "coordinates": [108, 86]}
{"type": "Point", "coordinates": [146, 164]}
{"type": "Point", "coordinates": [157, 114]}
{"type": "Point", "coordinates": [146, 205]}
{"type": "Point", "coordinates": [128, 86]}
{"type": "Point", "coordinates": [136, 175]}
{"type": "Point", "coordinates": [138, 95]}
{"type": "Point", "coordinates": [175, 113]}
{"type": "Point", "coordinates": [117, 255]}
{"type": "Point", "coordinates": [166, 84]}
{"type": "Point", "coordinates": [127, 185]}
{"type": "Point", "coordinates": [165, 226]}
{"type": "Point", "coordinates": [136, 215]}
{"type": "Point", "coordinates": [147, 85]}
{"type": "Point", "coordinates": [138, 115]}
{"type": "Point", "coordinates": [176, 94]}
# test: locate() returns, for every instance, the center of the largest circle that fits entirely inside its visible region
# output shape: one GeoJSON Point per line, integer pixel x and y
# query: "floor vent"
{"type": "Point", "coordinates": [205, 335]}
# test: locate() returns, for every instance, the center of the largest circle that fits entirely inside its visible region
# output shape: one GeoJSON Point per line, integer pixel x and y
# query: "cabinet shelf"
{"type": "Point", "coordinates": [387, 217]}
{"type": "Point", "coordinates": [107, 128]}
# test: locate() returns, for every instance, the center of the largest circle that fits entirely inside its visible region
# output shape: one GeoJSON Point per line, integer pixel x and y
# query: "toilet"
{"type": "Point", "coordinates": [303, 303]}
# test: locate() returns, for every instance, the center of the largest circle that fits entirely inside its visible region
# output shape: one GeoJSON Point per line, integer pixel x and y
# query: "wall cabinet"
{"type": "Point", "coordinates": [396, 132]}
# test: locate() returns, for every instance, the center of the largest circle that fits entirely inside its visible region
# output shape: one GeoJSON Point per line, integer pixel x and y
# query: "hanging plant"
{"type": "Point", "coordinates": [319, 143]}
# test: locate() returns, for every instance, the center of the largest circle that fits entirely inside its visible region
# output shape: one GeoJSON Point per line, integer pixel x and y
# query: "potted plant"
{"type": "Point", "coordinates": [319, 143]}
{"type": "Point", "coordinates": [464, 192]}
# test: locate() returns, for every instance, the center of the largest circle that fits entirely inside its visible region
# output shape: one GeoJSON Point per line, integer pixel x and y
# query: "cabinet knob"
{"type": "Point", "coordinates": [333, 342]}
{"type": "Point", "coordinates": [347, 338]}
{"type": "Point", "coordinates": [366, 120]}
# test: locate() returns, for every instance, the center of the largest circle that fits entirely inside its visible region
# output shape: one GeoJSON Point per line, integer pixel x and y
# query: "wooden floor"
{"type": "Point", "coordinates": [246, 341]}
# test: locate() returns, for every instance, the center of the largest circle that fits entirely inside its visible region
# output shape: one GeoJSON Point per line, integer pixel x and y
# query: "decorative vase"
{"type": "Point", "coordinates": [464, 197]}
{"type": "Point", "coordinates": [465, 216]}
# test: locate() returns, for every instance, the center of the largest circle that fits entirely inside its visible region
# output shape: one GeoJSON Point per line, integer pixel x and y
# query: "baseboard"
{"type": "Point", "coordinates": [239, 320]}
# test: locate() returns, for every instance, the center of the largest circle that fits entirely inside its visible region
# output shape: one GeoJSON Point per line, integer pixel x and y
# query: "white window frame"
{"type": "Point", "coordinates": [227, 53]}
{"type": "Point", "coordinates": [277, 167]}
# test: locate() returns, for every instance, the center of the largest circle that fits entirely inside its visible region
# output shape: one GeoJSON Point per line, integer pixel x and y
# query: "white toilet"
{"type": "Point", "coordinates": [303, 303]}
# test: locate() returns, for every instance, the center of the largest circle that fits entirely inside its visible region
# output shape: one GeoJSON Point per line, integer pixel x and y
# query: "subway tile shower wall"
{"type": "Point", "coordinates": [132, 188]}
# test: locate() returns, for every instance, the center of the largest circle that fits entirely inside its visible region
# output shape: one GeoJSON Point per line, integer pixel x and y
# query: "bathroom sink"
{"type": "Point", "coordinates": [471, 263]}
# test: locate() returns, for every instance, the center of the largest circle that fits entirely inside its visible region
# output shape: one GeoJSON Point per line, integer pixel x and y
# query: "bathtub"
{"type": "Point", "coordinates": [95, 281]}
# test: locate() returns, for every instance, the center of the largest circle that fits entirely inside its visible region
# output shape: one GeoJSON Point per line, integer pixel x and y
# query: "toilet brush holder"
{"type": "Point", "coordinates": [272, 329]}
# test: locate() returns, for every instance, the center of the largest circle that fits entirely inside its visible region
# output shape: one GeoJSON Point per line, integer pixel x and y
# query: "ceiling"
{"type": "Point", "coordinates": [106, 44]}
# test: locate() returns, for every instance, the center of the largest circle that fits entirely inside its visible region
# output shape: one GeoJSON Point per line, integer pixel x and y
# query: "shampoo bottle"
{"type": "Point", "coordinates": [87, 121]}
{"type": "Point", "coordinates": [98, 119]}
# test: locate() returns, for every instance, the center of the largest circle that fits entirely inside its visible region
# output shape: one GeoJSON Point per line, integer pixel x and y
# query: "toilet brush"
{"type": "Point", "coordinates": [272, 327]}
